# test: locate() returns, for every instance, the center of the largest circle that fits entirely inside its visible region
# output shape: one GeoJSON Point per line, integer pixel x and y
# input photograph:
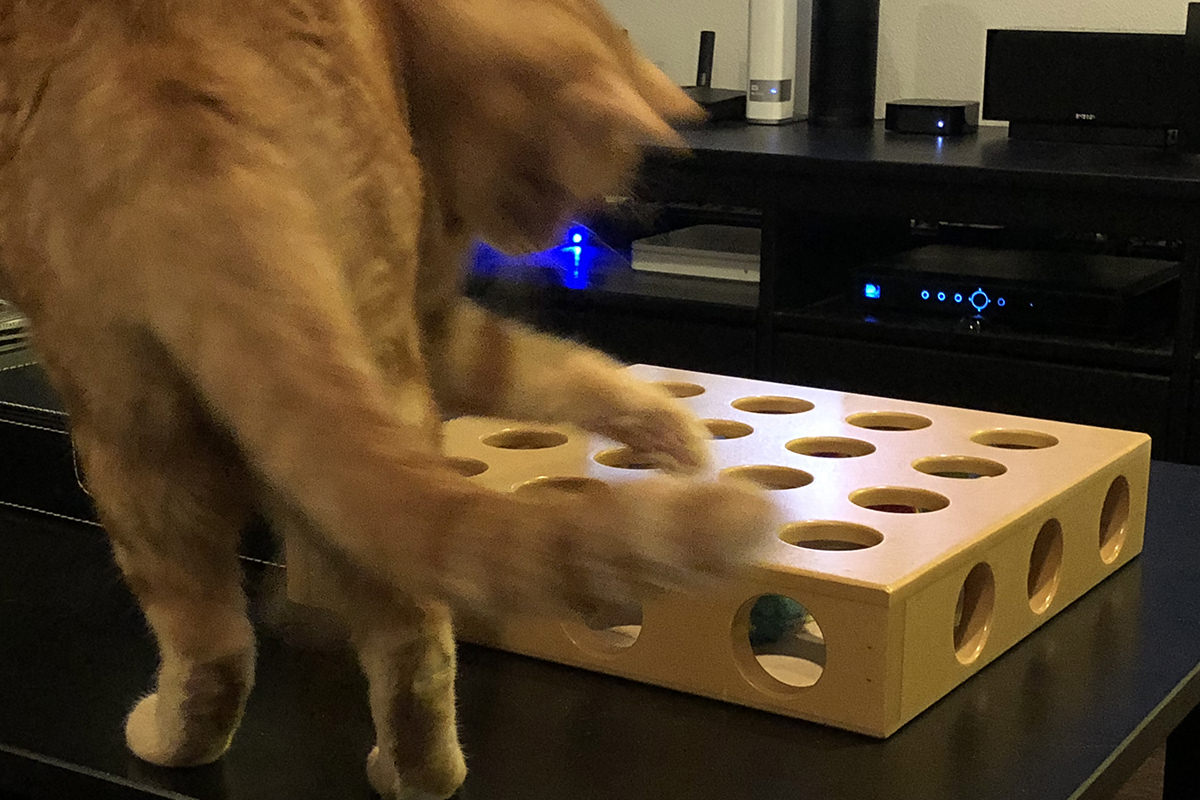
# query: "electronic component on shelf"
{"type": "Point", "coordinates": [727, 252]}
{"type": "Point", "coordinates": [1023, 289]}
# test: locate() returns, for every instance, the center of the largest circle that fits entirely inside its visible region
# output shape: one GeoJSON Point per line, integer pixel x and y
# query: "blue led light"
{"type": "Point", "coordinates": [871, 290]}
{"type": "Point", "coordinates": [774, 90]}
{"type": "Point", "coordinates": [979, 300]}
{"type": "Point", "coordinates": [924, 294]}
{"type": "Point", "coordinates": [1000, 302]}
{"type": "Point", "coordinates": [941, 123]}
{"type": "Point", "coordinates": [576, 238]}
{"type": "Point", "coordinates": [942, 296]}
{"type": "Point", "coordinates": [958, 297]}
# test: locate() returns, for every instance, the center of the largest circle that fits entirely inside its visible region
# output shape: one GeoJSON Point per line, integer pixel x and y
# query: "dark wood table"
{"type": "Point", "coordinates": [1068, 713]}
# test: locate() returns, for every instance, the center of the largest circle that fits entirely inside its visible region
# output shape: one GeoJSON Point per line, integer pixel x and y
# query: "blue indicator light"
{"type": "Point", "coordinates": [576, 238]}
{"type": "Point", "coordinates": [1000, 302]}
{"type": "Point", "coordinates": [924, 294]}
{"type": "Point", "coordinates": [979, 300]}
{"type": "Point", "coordinates": [958, 297]}
{"type": "Point", "coordinates": [574, 272]}
{"type": "Point", "coordinates": [941, 123]}
{"type": "Point", "coordinates": [942, 296]}
{"type": "Point", "coordinates": [871, 290]}
{"type": "Point", "coordinates": [774, 90]}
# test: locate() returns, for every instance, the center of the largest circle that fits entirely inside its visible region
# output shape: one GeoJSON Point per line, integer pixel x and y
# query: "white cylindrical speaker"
{"type": "Point", "coordinates": [778, 55]}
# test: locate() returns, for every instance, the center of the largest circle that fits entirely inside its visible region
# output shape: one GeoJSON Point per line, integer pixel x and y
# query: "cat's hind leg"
{"type": "Point", "coordinates": [174, 517]}
{"type": "Point", "coordinates": [407, 654]}
{"type": "Point", "coordinates": [406, 651]}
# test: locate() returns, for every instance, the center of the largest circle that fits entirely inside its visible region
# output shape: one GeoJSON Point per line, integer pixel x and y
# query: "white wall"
{"type": "Point", "coordinates": [927, 48]}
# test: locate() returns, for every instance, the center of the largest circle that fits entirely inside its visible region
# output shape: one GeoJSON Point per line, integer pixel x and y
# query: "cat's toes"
{"type": "Point", "coordinates": [441, 782]}
{"type": "Point", "coordinates": [652, 423]}
{"type": "Point", "coordinates": [152, 737]}
{"type": "Point", "coordinates": [678, 441]}
{"type": "Point", "coordinates": [690, 534]}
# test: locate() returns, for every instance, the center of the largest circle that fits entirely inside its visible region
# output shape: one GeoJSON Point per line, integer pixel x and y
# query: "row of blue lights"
{"type": "Point", "coordinates": [978, 299]}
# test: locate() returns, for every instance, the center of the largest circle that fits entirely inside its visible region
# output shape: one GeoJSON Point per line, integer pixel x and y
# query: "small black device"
{"type": "Point", "coordinates": [1080, 86]}
{"type": "Point", "coordinates": [934, 117]}
{"type": "Point", "coordinates": [718, 104]}
{"type": "Point", "coordinates": [1030, 290]}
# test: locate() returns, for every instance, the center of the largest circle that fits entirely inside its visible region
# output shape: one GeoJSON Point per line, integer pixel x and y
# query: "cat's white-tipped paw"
{"type": "Point", "coordinates": [152, 737]}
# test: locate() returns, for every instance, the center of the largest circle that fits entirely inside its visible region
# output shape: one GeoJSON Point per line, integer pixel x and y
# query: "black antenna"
{"type": "Point", "coordinates": [708, 40]}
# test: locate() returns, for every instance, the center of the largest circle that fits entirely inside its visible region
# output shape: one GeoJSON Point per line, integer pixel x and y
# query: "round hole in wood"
{"type": "Point", "coordinates": [727, 429]}
{"type": "Point", "coordinates": [467, 467]}
{"type": "Point", "coordinates": [1114, 520]}
{"type": "Point", "coordinates": [899, 500]}
{"type": "Point", "coordinates": [831, 447]}
{"type": "Point", "coordinates": [626, 458]}
{"type": "Point", "coordinates": [612, 628]}
{"type": "Point", "coordinates": [889, 421]}
{"type": "Point", "coordinates": [772, 404]}
{"type": "Point", "coordinates": [681, 388]}
{"type": "Point", "coordinates": [830, 535]}
{"type": "Point", "coordinates": [568, 484]}
{"type": "Point", "coordinates": [778, 644]}
{"type": "Point", "coordinates": [1045, 566]}
{"type": "Point", "coordinates": [525, 439]}
{"type": "Point", "coordinates": [973, 613]}
{"type": "Point", "coordinates": [960, 467]}
{"type": "Point", "coordinates": [1014, 439]}
{"type": "Point", "coordinates": [769, 476]}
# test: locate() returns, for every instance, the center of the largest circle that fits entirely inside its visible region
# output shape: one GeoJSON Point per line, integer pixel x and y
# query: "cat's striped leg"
{"type": "Point", "coordinates": [407, 654]}
{"type": "Point", "coordinates": [484, 364]}
{"type": "Point", "coordinates": [174, 519]}
{"type": "Point", "coordinates": [406, 651]}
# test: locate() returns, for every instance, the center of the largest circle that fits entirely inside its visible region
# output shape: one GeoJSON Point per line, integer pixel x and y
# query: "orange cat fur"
{"type": "Point", "coordinates": [237, 228]}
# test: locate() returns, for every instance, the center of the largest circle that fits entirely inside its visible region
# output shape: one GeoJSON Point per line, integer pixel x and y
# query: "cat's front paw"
{"type": "Point", "coordinates": [652, 423]}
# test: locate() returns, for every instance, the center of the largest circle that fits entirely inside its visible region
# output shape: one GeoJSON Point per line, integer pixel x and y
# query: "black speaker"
{"type": "Point", "coordinates": [845, 45]}
{"type": "Point", "coordinates": [1113, 88]}
{"type": "Point", "coordinates": [1189, 95]}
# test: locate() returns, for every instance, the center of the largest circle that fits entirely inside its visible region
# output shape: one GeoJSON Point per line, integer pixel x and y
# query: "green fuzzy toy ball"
{"type": "Point", "coordinates": [775, 617]}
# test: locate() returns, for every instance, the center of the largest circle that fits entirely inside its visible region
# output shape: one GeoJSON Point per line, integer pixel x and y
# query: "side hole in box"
{"type": "Point", "coordinates": [973, 613]}
{"type": "Point", "coordinates": [467, 467]}
{"type": "Point", "coordinates": [525, 439]}
{"type": "Point", "coordinates": [899, 500]}
{"type": "Point", "coordinates": [772, 404]}
{"type": "Point", "coordinates": [1114, 520]}
{"type": "Point", "coordinates": [778, 643]}
{"type": "Point", "coordinates": [721, 429]}
{"type": "Point", "coordinates": [1045, 566]}
{"type": "Point", "coordinates": [959, 467]}
{"type": "Point", "coordinates": [770, 477]}
{"type": "Point", "coordinates": [681, 389]}
{"type": "Point", "coordinates": [1014, 439]}
{"type": "Point", "coordinates": [889, 421]}
{"type": "Point", "coordinates": [830, 447]}
{"type": "Point", "coordinates": [830, 535]}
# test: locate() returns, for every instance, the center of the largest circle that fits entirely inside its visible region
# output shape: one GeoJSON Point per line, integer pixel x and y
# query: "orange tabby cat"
{"type": "Point", "coordinates": [237, 226]}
